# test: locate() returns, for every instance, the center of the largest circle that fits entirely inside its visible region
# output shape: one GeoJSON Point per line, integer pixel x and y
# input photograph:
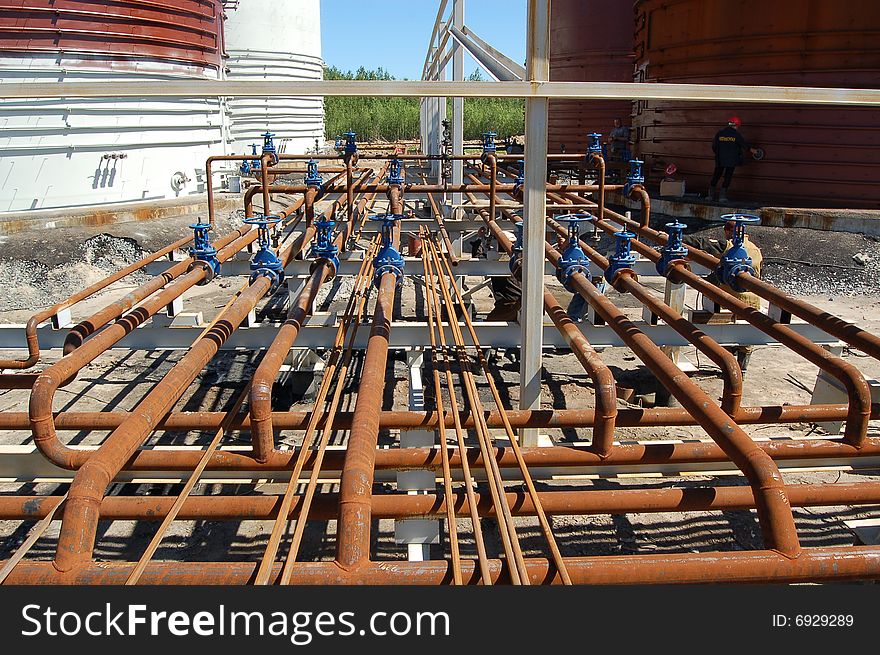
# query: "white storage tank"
{"type": "Point", "coordinates": [274, 41]}
{"type": "Point", "coordinates": [78, 152]}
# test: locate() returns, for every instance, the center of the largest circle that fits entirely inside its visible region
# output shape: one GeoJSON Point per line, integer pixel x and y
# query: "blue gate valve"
{"type": "Point", "coordinates": [489, 147]}
{"type": "Point", "coordinates": [338, 145]}
{"type": "Point", "coordinates": [594, 144]}
{"type": "Point", "coordinates": [248, 167]}
{"type": "Point", "coordinates": [203, 251]}
{"type": "Point", "coordinates": [573, 260]}
{"type": "Point", "coordinates": [622, 258]}
{"type": "Point", "coordinates": [324, 250]}
{"type": "Point", "coordinates": [265, 262]}
{"type": "Point", "coordinates": [269, 146]}
{"type": "Point", "coordinates": [635, 175]}
{"type": "Point", "coordinates": [520, 178]}
{"type": "Point", "coordinates": [515, 263]}
{"type": "Point", "coordinates": [736, 260]}
{"type": "Point", "coordinates": [388, 259]}
{"type": "Point", "coordinates": [351, 146]}
{"type": "Point", "coordinates": [674, 248]}
{"type": "Point", "coordinates": [395, 176]}
{"type": "Point", "coordinates": [313, 178]}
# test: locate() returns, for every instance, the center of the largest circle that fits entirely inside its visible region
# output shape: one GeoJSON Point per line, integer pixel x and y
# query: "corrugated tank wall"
{"type": "Point", "coordinates": [590, 41]}
{"type": "Point", "coordinates": [814, 156]}
{"type": "Point", "coordinates": [76, 152]}
{"type": "Point", "coordinates": [275, 41]}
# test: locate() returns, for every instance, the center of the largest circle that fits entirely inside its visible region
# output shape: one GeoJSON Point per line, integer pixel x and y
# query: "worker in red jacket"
{"type": "Point", "coordinates": [728, 147]}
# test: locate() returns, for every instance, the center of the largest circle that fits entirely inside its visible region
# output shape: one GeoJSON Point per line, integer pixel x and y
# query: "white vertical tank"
{"type": "Point", "coordinates": [57, 153]}
{"type": "Point", "coordinates": [274, 41]}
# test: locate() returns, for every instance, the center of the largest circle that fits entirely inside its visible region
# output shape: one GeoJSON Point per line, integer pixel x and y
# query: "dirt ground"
{"type": "Point", "coordinates": [836, 272]}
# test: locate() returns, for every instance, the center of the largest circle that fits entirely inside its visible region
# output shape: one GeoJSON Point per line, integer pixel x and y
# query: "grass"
{"type": "Point", "coordinates": [392, 119]}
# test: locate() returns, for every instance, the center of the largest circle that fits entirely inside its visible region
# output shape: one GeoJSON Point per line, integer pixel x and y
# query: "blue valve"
{"type": "Point", "coordinates": [635, 175]}
{"type": "Point", "coordinates": [622, 258]}
{"type": "Point", "coordinates": [573, 260]}
{"type": "Point", "coordinates": [395, 176]}
{"type": "Point", "coordinates": [515, 263]}
{"type": "Point", "coordinates": [489, 147]}
{"type": "Point", "coordinates": [324, 250]}
{"type": "Point", "coordinates": [594, 144]}
{"type": "Point", "coordinates": [351, 146]}
{"type": "Point", "coordinates": [248, 167]}
{"type": "Point", "coordinates": [674, 248]}
{"type": "Point", "coordinates": [203, 251]}
{"type": "Point", "coordinates": [313, 178]}
{"type": "Point", "coordinates": [269, 146]}
{"type": "Point", "coordinates": [520, 178]}
{"type": "Point", "coordinates": [338, 145]}
{"type": "Point", "coordinates": [265, 262]}
{"type": "Point", "coordinates": [388, 259]}
{"type": "Point", "coordinates": [736, 259]}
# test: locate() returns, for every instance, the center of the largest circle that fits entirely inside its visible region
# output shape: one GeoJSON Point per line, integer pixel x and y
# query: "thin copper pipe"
{"type": "Point", "coordinates": [511, 435]}
{"type": "Point", "coordinates": [433, 303]}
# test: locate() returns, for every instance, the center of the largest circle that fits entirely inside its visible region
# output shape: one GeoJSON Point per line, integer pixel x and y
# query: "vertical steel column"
{"type": "Point", "coordinates": [439, 117]}
{"type": "Point", "coordinates": [457, 106]}
{"type": "Point", "coordinates": [535, 212]}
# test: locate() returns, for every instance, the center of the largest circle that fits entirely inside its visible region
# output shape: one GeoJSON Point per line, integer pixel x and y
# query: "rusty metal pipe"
{"type": "Point", "coordinates": [413, 420]}
{"type": "Point", "coordinates": [397, 506]}
{"type": "Point", "coordinates": [356, 484]}
{"type": "Point", "coordinates": [434, 188]}
{"type": "Point", "coordinates": [82, 330]}
{"type": "Point", "coordinates": [600, 374]}
{"type": "Point", "coordinates": [834, 564]}
{"type": "Point", "coordinates": [81, 513]}
{"type": "Point", "coordinates": [857, 388]}
{"type": "Point", "coordinates": [43, 393]}
{"type": "Point", "coordinates": [602, 377]}
{"type": "Point", "coordinates": [774, 511]}
{"type": "Point", "coordinates": [731, 399]}
{"type": "Point", "coordinates": [575, 455]}
{"type": "Point", "coordinates": [854, 382]}
{"type": "Point", "coordinates": [260, 402]}
{"type": "Point", "coordinates": [34, 321]}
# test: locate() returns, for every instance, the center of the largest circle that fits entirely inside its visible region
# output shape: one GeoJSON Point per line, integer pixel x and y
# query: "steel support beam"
{"type": "Point", "coordinates": [457, 105]}
{"type": "Point", "coordinates": [157, 335]}
{"type": "Point", "coordinates": [417, 88]}
{"type": "Point", "coordinates": [535, 212]}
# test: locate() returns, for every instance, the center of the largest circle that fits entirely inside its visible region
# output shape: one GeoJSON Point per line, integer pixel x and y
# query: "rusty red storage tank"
{"type": "Point", "coordinates": [814, 156]}
{"type": "Point", "coordinates": [74, 152]}
{"type": "Point", "coordinates": [185, 31]}
{"type": "Point", "coordinates": [590, 41]}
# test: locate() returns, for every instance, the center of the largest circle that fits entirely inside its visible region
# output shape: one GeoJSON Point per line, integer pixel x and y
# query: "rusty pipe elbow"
{"type": "Point", "coordinates": [262, 432]}
{"type": "Point", "coordinates": [79, 525]}
{"type": "Point", "coordinates": [639, 191]}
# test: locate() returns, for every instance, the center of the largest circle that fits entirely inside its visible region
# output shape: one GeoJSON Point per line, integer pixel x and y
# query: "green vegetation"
{"type": "Point", "coordinates": [390, 119]}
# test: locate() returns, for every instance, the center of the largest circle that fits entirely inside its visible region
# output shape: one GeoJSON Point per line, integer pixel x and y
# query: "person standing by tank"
{"type": "Point", "coordinates": [728, 146]}
{"type": "Point", "coordinates": [619, 137]}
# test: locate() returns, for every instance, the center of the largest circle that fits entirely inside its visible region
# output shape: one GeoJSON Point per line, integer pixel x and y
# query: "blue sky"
{"type": "Point", "coordinates": [394, 35]}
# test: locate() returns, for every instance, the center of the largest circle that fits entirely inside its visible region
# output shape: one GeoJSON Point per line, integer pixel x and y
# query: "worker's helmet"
{"type": "Point", "coordinates": [735, 121]}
